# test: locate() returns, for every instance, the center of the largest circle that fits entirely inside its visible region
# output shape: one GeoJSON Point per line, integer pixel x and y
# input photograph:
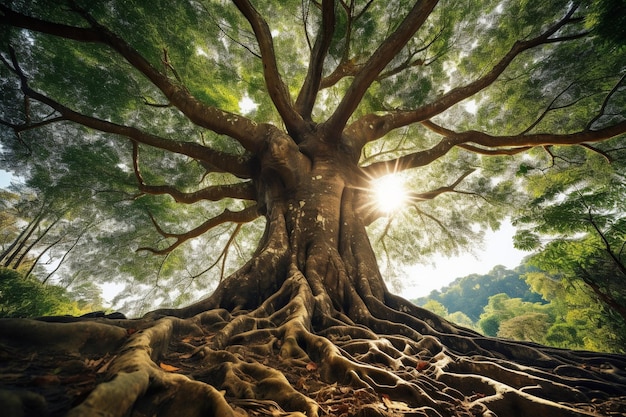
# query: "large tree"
{"type": "Point", "coordinates": [346, 92]}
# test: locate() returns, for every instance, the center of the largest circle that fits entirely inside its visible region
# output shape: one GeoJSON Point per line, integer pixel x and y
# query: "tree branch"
{"type": "Point", "coordinates": [278, 91]}
{"type": "Point", "coordinates": [606, 102]}
{"type": "Point", "coordinates": [243, 190]}
{"type": "Point", "coordinates": [311, 86]}
{"type": "Point", "coordinates": [229, 163]}
{"type": "Point", "coordinates": [500, 144]}
{"type": "Point", "coordinates": [245, 131]}
{"type": "Point", "coordinates": [494, 152]}
{"type": "Point", "coordinates": [244, 216]}
{"type": "Point", "coordinates": [372, 127]}
{"type": "Point", "coordinates": [429, 195]}
{"type": "Point", "coordinates": [377, 62]}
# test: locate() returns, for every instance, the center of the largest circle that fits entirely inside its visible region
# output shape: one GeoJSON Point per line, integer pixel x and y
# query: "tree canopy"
{"type": "Point", "coordinates": [209, 128]}
{"type": "Point", "coordinates": [425, 93]}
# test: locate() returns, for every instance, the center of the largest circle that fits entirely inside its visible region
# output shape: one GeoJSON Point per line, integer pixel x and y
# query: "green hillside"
{"type": "Point", "coordinates": [527, 303]}
{"type": "Point", "coordinates": [469, 295]}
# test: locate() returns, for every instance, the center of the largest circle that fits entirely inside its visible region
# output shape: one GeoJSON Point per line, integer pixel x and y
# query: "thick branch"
{"type": "Point", "coordinates": [244, 216]}
{"type": "Point", "coordinates": [229, 163]}
{"type": "Point", "coordinates": [500, 144]}
{"type": "Point", "coordinates": [311, 86]}
{"type": "Point", "coordinates": [278, 91]}
{"type": "Point", "coordinates": [543, 139]}
{"type": "Point", "coordinates": [387, 50]}
{"type": "Point", "coordinates": [413, 160]}
{"type": "Point", "coordinates": [372, 127]}
{"type": "Point", "coordinates": [243, 191]}
{"type": "Point", "coordinates": [494, 152]}
{"type": "Point", "coordinates": [247, 132]}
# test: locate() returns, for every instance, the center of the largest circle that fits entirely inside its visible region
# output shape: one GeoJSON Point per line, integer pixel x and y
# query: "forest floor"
{"type": "Point", "coordinates": [50, 383]}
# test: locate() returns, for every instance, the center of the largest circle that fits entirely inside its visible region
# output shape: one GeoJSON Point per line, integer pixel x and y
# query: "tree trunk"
{"type": "Point", "coordinates": [306, 327]}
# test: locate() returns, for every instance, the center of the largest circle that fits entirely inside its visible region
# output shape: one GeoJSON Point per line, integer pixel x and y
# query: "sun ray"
{"type": "Point", "coordinates": [390, 193]}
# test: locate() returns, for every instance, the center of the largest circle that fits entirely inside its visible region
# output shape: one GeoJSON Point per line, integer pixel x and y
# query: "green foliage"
{"type": "Point", "coordinates": [608, 18]}
{"type": "Point", "coordinates": [84, 180]}
{"type": "Point", "coordinates": [579, 321]}
{"type": "Point", "coordinates": [514, 318]}
{"type": "Point", "coordinates": [470, 294]}
{"type": "Point", "coordinates": [27, 297]}
{"type": "Point", "coordinates": [546, 309]}
{"type": "Point", "coordinates": [577, 224]}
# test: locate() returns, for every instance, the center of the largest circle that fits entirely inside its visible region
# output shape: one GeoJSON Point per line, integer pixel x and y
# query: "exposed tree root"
{"type": "Point", "coordinates": [291, 357]}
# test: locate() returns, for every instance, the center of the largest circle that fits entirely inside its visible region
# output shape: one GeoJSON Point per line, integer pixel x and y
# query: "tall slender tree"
{"type": "Point", "coordinates": [289, 111]}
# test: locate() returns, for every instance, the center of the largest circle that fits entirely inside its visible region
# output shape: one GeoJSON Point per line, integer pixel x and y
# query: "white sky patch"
{"type": "Point", "coordinates": [5, 178]}
{"type": "Point", "coordinates": [110, 290]}
{"type": "Point", "coordinates": [201, 52]}
{"type": "Point", "coordinates": [247, 105]}
{"type": "Point", "coordinates": [471, 107]}
{"type": "Point", "coordinates": [498, 249]}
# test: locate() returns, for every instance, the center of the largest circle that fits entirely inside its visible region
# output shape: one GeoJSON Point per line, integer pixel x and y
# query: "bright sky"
{"type": "Point", "coordinates": [498, 250]}
{"type": "Point", "coordinates": [5, 179]}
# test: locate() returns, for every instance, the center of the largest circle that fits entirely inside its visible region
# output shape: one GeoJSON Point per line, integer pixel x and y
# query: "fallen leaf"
{"type": "Point", "coordinates": [394, 405]}
{"type": "Point", "coordinates": [168, 368]}
{"type": "Point", "coordinates": [421, 365]}
{"type": "Point", "coordinates": [311, 366]}
{"type": "Point", "coordinates": [386, 400]}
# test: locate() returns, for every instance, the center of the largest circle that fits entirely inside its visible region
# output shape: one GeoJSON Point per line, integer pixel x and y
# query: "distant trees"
{"type": "Point", "coordinates": [41, 223]}
{"type": "Point", "coordinates": [541, 307]}
{"type": "Point", "coordinates": [470, 294]}
{"type": "Point", "coordinates": [22, 296]}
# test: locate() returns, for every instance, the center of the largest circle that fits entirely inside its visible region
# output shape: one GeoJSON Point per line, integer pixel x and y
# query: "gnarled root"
{"type": "Point", "coordinates": [295, 354]}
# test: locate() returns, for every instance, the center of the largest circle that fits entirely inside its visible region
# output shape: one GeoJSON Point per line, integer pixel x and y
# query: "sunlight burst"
{"type": "Point", "coordinates": [390, 193]}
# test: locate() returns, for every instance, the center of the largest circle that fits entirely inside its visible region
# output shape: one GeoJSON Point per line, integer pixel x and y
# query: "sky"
{"type": "Point", "coordinates": [5, 179]}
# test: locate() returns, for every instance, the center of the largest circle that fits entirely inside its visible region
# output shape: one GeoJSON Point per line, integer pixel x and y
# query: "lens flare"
{"type": "Point", "coordinates": [390, 193]}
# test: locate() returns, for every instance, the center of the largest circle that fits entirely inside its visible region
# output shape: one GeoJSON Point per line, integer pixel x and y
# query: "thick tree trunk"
{"type": "Point", "coordinates": [305, 327]}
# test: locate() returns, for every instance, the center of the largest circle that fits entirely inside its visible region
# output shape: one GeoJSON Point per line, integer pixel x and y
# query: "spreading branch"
{"type": "Point", "coordinates": [311, 86]}
{"type": "Point", "coordinates": [243, 190]}
{"type": "Point", "coordinates": [277, 90]}
{"type": "Point", "coordinates": [229, 163]}
{"type": "Point", "coordinates": [245, 131]}
{"type": "Point", "coordinates": [606, 102]}
{"type": "Point", "coordinates": [493, 145]}
{"type": "Point", "coordinates": [387, 50]}
{"type": "Point", "coordinates": [227, 216]}
{"type": "Point", "coordinates": [372, 127]}
{"type": "Point", "coordinates": [429, 195]}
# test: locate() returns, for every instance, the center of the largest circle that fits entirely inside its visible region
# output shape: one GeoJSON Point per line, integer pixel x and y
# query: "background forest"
{"type": "Point", "coordinates": [528, 304]}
